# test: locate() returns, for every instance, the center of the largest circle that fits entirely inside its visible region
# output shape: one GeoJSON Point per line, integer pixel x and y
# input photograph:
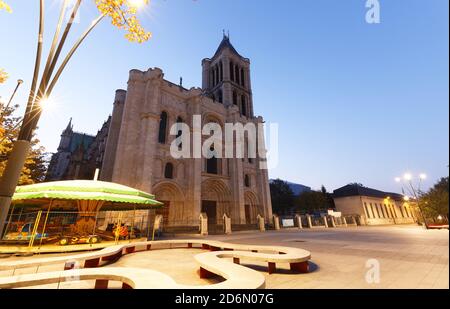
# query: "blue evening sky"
{"type": "Point", "coordinates": [355, 102]}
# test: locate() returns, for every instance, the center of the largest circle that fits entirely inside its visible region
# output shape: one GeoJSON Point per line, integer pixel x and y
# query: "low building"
{"type": "Point", "coordinates": [374, 207]}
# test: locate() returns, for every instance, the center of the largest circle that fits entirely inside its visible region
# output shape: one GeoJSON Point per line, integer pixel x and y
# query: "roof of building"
{"type": "Point", "coordinates": [80, 138]}
{"type": "Point", "coordinates": [359, 190]}
{"type": "Point", "coordinates": [226, 43]}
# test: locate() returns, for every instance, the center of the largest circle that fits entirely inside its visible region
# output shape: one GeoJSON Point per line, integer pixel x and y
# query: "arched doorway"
{"type": "Point", "coordinates": [216, 201]}
{"type": "Point", "coordinates": [172, 196]}
{"type": "Point", "coordinates": [251, 207]}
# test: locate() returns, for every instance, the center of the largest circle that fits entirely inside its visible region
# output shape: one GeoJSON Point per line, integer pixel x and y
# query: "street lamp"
{"type": "Point", "coordinates": [19, 82]}
{"type": "Point", "coordinates": [414, 191]}
{"type": "Point", "coordinates": [41, 90]}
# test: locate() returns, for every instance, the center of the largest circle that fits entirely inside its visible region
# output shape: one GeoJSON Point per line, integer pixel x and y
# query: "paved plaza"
{"type": "Point", "coordinates": [408, 257]}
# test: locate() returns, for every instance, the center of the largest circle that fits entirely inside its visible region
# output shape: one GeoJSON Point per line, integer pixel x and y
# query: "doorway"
{"type": "Point", "coordinates": [164, 211]}
{"type": "Point", "coordinates": [210, 208]}
{"type": "Point", "coordinates": [248, 218]}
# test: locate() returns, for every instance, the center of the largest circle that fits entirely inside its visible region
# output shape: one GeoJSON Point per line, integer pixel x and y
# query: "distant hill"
{"type": "Point", "coordinates": [296, 187]}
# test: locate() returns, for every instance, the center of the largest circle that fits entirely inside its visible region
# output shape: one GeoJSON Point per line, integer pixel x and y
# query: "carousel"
{"type": "Point", "coordinates": [72, 212]}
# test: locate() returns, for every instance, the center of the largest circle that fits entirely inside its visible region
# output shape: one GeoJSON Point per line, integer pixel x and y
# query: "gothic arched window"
{"type": "Point", "coordinates": [243, 105]}
{"type": "Point", "coordinates": [162, 128]}
{"type": "Point", "coordinates": [221, 71]}
{"type": "Point", "coordinates": [235, 98]}
{"type": "Point", "coordinates": [212, 164]}
{"type": "Point", "coordinates": [217, 75]}
{"type": "Point", "coordinates": [236, 75]}
{"type": "Point", "coordinates": [242, 78]}
{"type": "Point", "coordinates": [247, 181]}
{"type": "Point", "coordinates": [220, 96]}
{"type": "Point", "coordinates": [232, 71]}
{"type": "Point", "coordinates": [168, 171]}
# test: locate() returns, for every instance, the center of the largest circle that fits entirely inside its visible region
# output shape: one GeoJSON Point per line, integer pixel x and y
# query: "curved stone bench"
{"type": "Point", "coordinates": [211, 263]}
{"type": "Point", "coordinates": [134, 278]}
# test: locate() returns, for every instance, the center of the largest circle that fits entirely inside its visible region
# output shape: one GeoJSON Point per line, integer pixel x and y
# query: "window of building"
{"type": "Point", "coordinates": [379, 213]}
{"type": "Point", "coordinates": [168, 171]}
{"type": "Point", "coordinates": [232, 71]}
{"type": "Point", "coordinates": [236, 75]}
{"type": "Point", "coordinates": [162, 128]}
{"type": "Point", "coordinates": [382, 211]}
{"type": "Point", "coordinates": [401, 211]}
{"type": "Point", "coordinates": [386, 210]}
{"type": "Point", "coordinates": [391, 207]}
{"type": "Point", "coordinates": [243, 105]}
{"type": "Point", "coordinates": [212, 164]}
{"type": "Point", "coordinates": [367, 210]}
{"type": "Point", "coordinates": [235, 98]}
{"type": "Point", "coordinates": [217, 75]}
{"type": "Point", "coordinates": [247, 181]}
{"type": "Point", "coordinates": [242, 78]}
{"type": "Point", "coordinates": [220, 96]}
{"type": "Point", "coordinates": [221, 71]}
{"type": "Point", "coordinates": [373, 211]}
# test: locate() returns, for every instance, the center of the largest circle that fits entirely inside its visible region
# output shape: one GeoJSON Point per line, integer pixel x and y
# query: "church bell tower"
{"type": "Point", "coordinates": [226, 78]}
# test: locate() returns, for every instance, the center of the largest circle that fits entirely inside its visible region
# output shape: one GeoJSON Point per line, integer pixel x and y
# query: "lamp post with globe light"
{"type": "Point", "coordinates": [414, 189]}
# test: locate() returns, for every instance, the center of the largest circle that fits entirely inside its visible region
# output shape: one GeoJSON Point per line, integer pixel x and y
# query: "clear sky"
{"type": "Point", "coordinates": [356, 102]}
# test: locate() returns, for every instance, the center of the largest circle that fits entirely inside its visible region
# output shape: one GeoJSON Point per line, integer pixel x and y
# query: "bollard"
{"type": "Point", "coordinates": [261, 223]}
{"type": "Point", "coordinates": [299, 221]}
{"type": "Point", "coordinates": [308, 217]}
{"type": "Point", "coordinates": [203, 224]}
{"type": "Point", "coordinates": [333, 222]}
{"type": "Point", "coordinates": [276, 222]}
{"type": "Point", "coordinates": [226, 224]}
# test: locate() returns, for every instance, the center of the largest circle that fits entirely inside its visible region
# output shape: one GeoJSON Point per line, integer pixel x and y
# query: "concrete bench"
{"type": "Point", "coordinates": [211, 263]}
{"type": "Point", "coordinates": [133, 278]}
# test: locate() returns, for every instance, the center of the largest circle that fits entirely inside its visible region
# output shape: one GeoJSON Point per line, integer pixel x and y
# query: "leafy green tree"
{"type": "Point", "coordinates": [314, 200]}
{"type": "Point", "coordinates": [311, 201]}
{"type": "Point", "coordinates": [282, 196]}
{"type": "Point", "coordinates": [435, 201]}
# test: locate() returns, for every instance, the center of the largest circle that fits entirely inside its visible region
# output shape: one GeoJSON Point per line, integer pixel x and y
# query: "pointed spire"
{"type": "Point", "coordinates": [69, 128]}
{"type": "Point", "coordinates": [226, 44]}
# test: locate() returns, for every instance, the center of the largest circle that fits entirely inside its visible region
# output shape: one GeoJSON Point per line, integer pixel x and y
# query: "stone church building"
{"type": "Point", "coordinates": [137, 149]}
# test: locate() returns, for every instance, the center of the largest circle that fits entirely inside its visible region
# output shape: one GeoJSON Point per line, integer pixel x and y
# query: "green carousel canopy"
{"type": "Point", "coordinates": [111, 196]}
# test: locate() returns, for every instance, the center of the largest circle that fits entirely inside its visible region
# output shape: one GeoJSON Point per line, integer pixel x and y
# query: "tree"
{"type": "Point", "coordinates": [311, 201]}
{"type": "Point", "coordinates": [435, 201]}
{"type": "Point", "coordinates": [123, 16]}
{"type": "Point", "coordinates": [36, 162]}
{"type": "Point", "coordinates": [3, 76]}
{"type": "Point", "coordinates": [314, 200]}
{"type": "Point", "coordinates": [282, 196]}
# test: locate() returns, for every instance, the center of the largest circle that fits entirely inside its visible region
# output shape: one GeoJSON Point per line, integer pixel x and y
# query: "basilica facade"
{"type": "Point", "coordinates": [138, 145]}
